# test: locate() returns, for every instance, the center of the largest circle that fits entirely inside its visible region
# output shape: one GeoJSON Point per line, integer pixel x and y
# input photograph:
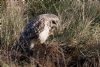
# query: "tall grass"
{"type": "Point", "coordinates": [12, 20]}
{"type": "Point", "coordinates": [79, 27]}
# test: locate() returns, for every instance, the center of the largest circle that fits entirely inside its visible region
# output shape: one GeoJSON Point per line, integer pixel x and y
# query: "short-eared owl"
{"type": "Point", "coordinates": [36, 31]}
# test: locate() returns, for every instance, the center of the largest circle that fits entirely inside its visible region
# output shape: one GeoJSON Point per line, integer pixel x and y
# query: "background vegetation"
{"type": "Point", "coordinates": [80, 22]}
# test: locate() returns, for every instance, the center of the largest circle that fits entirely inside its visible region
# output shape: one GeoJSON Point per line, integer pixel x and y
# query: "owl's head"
{"type": "Point", "coordinates": [49, 24]}
{"type": "Point", "coordinates": [51, 21]}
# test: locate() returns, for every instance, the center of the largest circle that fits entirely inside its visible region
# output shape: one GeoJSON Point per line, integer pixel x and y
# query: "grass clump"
{"type": "Point", "coordinates": [79, 27]}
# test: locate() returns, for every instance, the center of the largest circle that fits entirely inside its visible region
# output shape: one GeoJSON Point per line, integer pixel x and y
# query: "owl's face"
{"type": "Point", "coordinates": [51, 23]}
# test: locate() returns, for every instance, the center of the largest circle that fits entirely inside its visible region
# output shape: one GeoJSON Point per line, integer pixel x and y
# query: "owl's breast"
{"type": "Point", "coordinates": [44, 34]}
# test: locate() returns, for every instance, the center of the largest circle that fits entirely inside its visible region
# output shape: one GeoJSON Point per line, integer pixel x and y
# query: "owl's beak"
{"type": "Point", "coordinates": [51, 33]}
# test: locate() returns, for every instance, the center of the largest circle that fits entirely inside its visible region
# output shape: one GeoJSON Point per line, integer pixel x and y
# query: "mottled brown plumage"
{"type": "Point", "coordinates": [35, 32]}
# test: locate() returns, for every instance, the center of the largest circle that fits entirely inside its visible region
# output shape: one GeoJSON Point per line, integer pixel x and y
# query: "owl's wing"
{"type": "Point", "coordinates": [30, 31]}
{"type": "Point", "coordinates": [33, 28]}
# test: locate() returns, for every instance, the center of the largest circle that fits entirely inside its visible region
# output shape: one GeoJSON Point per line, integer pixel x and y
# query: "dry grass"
{"type": "Point", "coordinates": [51, 55]}
{"type": "Point", "coordinates": [80, 29]}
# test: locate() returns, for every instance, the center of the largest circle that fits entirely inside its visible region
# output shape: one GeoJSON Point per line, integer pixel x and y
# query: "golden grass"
{"type": "Point", "coordinates": [80, 29]}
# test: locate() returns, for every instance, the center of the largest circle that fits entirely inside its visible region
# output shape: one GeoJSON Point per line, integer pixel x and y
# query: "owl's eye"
{"type": "Point", "coordinates": [53, 22]}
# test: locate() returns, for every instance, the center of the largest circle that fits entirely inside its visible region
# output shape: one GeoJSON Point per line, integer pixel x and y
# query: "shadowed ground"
{"type": "Point", "coordinates": [51, 55]}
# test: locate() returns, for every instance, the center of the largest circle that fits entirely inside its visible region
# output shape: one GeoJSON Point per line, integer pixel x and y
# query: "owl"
{"type": "Point", "coordinates": [36, 32]}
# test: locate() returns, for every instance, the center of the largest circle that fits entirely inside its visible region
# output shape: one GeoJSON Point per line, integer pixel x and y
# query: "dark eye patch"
{"type": "Point", "coordinates": [53, 22]}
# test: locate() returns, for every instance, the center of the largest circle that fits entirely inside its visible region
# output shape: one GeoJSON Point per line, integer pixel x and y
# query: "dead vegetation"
{"type": "Point", "coordinates": [78, 42]}
{"type": "Point", "coordinates": [51, 55]}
